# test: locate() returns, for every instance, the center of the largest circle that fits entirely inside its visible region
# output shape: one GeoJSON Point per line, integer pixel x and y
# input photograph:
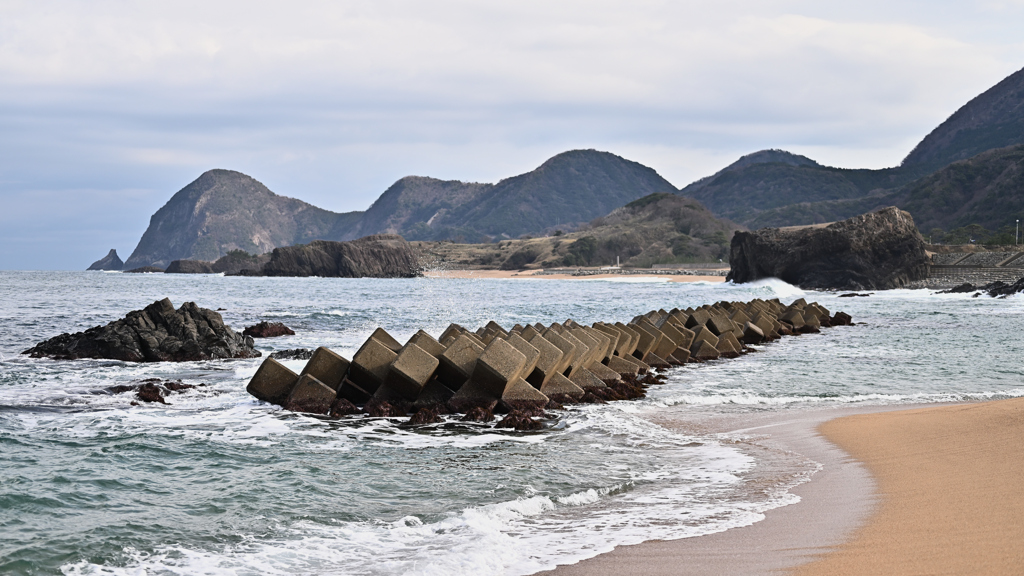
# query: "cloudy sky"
{"type": "Point", "coordinates": [109, 107]}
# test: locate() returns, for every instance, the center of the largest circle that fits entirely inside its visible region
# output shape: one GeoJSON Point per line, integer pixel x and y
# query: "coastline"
{"type": "Point", "coordinates": [789, 536]}
{"type": "Point", "coordinates": [533, 275]}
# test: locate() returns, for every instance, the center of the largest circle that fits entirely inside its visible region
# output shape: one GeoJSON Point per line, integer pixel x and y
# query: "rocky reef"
{"type": "Point", "coordinates": [108, 262]}
{"type": "Point", "coordinates": [268, 330]}
{"type": "Point", "coordinates": [157, 333]}
{"type": "Point", "coordinates": [876, 251]}
{"type": "Point", "coordinates": [526, 370]}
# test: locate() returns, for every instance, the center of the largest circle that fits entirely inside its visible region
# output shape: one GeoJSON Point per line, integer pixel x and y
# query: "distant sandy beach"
{"type": "Point", "coordinates": [532, 275]}
{"type": "Point", "coordinates": [932, 490]}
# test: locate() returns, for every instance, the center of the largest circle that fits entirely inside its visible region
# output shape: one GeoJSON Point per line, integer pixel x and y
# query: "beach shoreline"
{"type": "Point", "coordinates": [839, 500]}
{"type": "Point", "coordinates": [535, 275]}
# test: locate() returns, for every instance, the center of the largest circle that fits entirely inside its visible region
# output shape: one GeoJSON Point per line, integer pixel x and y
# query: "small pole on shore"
{"type": "Point", "coordinates": [1016, 233]}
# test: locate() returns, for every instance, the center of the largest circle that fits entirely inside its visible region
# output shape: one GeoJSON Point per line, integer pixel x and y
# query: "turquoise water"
{"type": "Point", "coordinates": [217, 483]}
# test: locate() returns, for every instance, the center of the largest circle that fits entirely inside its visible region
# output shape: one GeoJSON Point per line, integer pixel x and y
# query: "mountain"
{"type": "Point", "coordinates": [566, 191]}
{"type": "Point", "coordinates": [987, 189]}
{"type": "Point", "coordinates": [661, 228]}
{"type": "Point", "coordinates": [777, 188]}
{"type": "Point", "coordinates": [994, 119]}
{"type": "Point", "coordinates": [223, 210]}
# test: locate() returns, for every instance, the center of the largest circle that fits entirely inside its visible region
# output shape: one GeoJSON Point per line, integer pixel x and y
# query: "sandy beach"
{"type": "Point", "coordinates": [534, 276]}
{"type": "Point", "coordinates": [933, 490]}
{"type": "Point", "coordinates": [950, 480]}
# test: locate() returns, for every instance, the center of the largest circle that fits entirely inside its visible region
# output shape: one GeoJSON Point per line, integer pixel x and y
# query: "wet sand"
{"type": "Point", "coordinates": [532, 275]}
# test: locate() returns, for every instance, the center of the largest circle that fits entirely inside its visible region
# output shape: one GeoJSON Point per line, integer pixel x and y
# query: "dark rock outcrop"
{"type": "Point", "coordinates": [876, 251]}
{"type": "Point", "coordinates": [292, 354]}
{"type": "Point", "coordinates": [380, 256]}
{"type": "Point", "coordinates": [146, 270]}
{"type": "Point", "coordinates": [268, 330]}
{"type": "Point", "coordinates": [108, 262]}
{"type": "Point", "coordinates": [236, 261]}
{"type": "Point", "coordinates": [189, 267]}
{"type": "Point", "coordinates": [158, 333]}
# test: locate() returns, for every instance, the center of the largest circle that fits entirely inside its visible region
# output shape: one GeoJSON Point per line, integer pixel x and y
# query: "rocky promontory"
{"type": "Point", "coordinates": [158, 333]}
{"type": "Point", "coordinates": [108, 262]}
{"type": "Point", "coordinates": [189, 267]}
{"type": "Point", "coordinates": [378, 256]}
{"type": "Point", "coordinates": [877, 251]}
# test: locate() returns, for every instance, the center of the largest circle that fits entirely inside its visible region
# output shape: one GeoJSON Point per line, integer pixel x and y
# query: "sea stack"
{"type": "Point", "coordinates": [108, 262]}
{"type": "Point", "coordinates": [877, 251]}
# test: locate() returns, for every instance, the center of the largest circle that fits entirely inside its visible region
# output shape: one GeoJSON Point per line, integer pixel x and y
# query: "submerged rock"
{"type": "Point", "coordinates": [519, 421]}
{"type": "Point", "coordinates": [292, 354]}
{"type": "Point", "coordinates": [108, 262]}
{"type": "Point", "coordinates": [877, 251]}
{"type": "Point", "coordinates": [268, 330]}
{"type": "Point", "coordinates": [158, 333]}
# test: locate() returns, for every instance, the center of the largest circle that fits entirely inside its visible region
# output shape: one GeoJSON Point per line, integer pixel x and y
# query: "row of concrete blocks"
{"type": "Point", "coordinates": [526, 367]}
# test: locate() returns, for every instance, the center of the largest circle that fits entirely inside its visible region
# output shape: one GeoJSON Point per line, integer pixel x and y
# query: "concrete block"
{"type": "Point", "coordinates": [752, 334]}
{"type": "Point", "coordinates": [666, 346]}
{"type": "Point", "coordinates": [273, 382]}
{"type": "Point", "coordinates": [493, 326]}
{"type": "Point", "coordinates": [605, 343]}
{"type": "Point", "coordinates": [614, 335]}
{"type": "Point", "coordinates": [559, 385]}
{"type": "Point", "coordinates": [641, 366]}
{"type": "Point", "coordinates": [634, 337]}
{"type": "Point", "coordinates": [353, 393]}
{"type": "Point", "coordinates": [582, 353]}
{"type": "Point", "coordinates": [500, 364]}
{"type": "Point", "coordinates": [473, 395]}
{"type": "Point", "coordinates": [380, 335]}
{"type": "Point", "coordinates": [427, 343]}
{"type": "Point", "coordinates": [457, 362]}
{"type": "Point", "coordinates": [595, 347]}
{"type": "Point", "coordinates": [528, 333]}
{"type": "Point", "coordinates": [705, 351]}
{"type": "Point", "coordinates": [568, 350]}
{"type": "Point", "coordinates": [310, 395]}
{"type": "Point", "coordinates": [719, 325]}
{"type": "Point", "coordinates": [327, 366]}
{"type": "Point", "coordinates": [370, 365]}
{"type": "Point", "coordinates": [646, 342]}
{"type": "Point", "coordinates": [586, 379]}
{"type": "Point", "coordinates": [794, 317]}
{"type": "Point", "coordinates": [703, 334]}
{"type": "Point", "coordinates": [655, 361]}
{"type": "Point", "coordinates": [606, 374]}
{"type": "Point", "coordinates": [452, 330]}
{"type": "Point", "coordinates": [549, 358]}
{"type": "Point", "coordinates": [528, 350]}
{"type": "Point", "coordinates": [728, 346]}
{"type": "Point", "coordinates": [434, 393]}
{"type": "Point", "coordinates": [519, 395]}
{"type": "Point", "coordinates": [407, 375]}
{"type": "Point", "coordinates": [682, 355]}
{"type": "Point", "coordinates": [620, 365]}
{"type": "Point", "coordinates": [697, 318]}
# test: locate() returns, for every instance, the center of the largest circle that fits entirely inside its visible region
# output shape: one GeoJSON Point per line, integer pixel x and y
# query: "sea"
{"type": "Point", "coordinates": [218, 483]}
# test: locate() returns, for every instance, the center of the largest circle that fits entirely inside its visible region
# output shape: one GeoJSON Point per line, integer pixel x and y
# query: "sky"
{"type": "Point", "coordinates": [107, 108]}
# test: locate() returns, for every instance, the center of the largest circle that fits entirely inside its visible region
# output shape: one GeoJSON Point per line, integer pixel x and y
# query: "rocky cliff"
{"type": "Point", "coordinates": [379, 256]}
{"type": "Point", "coordinates": [876, 251]}
{"type": "Point", "coordinates": [158, 333]}
{"type": "Point", "coordinates": [108, 262]}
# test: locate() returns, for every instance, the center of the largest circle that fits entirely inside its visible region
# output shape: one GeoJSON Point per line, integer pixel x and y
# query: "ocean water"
{"type": "Point", "coordinates": [218, 483]}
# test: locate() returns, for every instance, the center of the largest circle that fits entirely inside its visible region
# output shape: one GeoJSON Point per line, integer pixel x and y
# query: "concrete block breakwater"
{"type": "Point", "coordinates": [525, 370]}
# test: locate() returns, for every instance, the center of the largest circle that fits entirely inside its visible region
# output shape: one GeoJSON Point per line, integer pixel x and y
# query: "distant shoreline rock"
{"type": "Point", "coordinates": [108, 262]}
{"type": "Point", "coordinates": [145, 270]}
{"type": "Point", "coordinates": [189, 267]}
{"type": "Point", "coordinates": [877, 251]}
{"type": "Point", "coordinates": [378, 256]}
{"type": "Point", "coordinates": [158, 333]}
